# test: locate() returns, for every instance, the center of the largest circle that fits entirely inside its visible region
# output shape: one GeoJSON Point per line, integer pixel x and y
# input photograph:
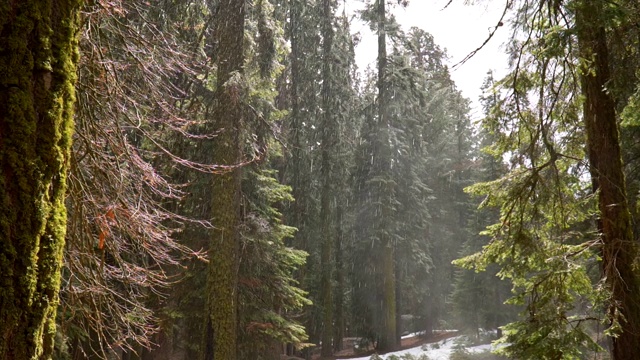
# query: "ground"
{"type": "Point", "coordinates": [409, 343]}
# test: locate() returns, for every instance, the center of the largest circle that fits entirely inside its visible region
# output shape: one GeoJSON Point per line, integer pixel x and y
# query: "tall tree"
{"type": "Point", "coordinates": [426, 142]}
{"type": "Point", "coordinates": [547, 145]}
{"type": "Point", "coordinates": [328, 137]}
{"type": "Point", "coordinates": [267, 296]}
{"type": "Point", "coordinates": [37, 97]}
{"type": "Point", "coordinates": [304, 22]}
{"type": "Point", "coordinates": [384, 247]}
{"type": "Point", "coordinates": [344, 97]}
{"type": "Point", "coordinates": [437, 137]}
{"type": "Point", "coordinates": [228, 117]}
{"type": "Point", "coordinates": [619, 247]}
{"type": "Point", "coordinates": [299, 98]}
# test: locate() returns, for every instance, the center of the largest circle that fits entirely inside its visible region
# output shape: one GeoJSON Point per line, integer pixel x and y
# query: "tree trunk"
{"type": "Point", "coordinates": [297, 161]}
{"type": "Point", "coordinates": [221, 338]}
{"type": "Point", "coordinates": [298, 155]}
{"type": "Point", "coordinates": [339, 293]}
{"type": "Point", "coordinates": [385, 248]}
{"type": "Point", "coordinates": [387, 341]}
{"type": "Point", "coordinates": [328, 136]}
{"type": "Point", "coordinates": [38, 56]}
{"type": "Point", "coordinates": [398, 292]}
{"type": "Point", "coordinates": [619, 249]}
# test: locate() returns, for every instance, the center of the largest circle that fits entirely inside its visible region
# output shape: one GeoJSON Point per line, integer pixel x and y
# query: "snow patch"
{"type": "Point", "coordinates": [435, 351]}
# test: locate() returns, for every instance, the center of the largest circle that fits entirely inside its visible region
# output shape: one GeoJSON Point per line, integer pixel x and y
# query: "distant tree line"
{"type": "Point", "coordinates": [217, 179]}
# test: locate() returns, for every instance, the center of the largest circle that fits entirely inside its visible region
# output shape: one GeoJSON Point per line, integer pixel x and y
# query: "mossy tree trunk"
{"type": "Point", "coordinates": [228, 119]}
{"type": "Point", "coordinates": [38, 56]}
{"type": "Point", "coordinates": [619, 249]}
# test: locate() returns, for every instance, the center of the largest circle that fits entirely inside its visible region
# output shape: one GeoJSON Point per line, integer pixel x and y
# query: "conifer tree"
{"type": "Point", "coordinates": [429, 141]}
{"type": "Point", "coordinates": [544, 124]}
{"type": "Point", "coordinates": [329, 134]}
{"type": "Point", "coordinates": [382, 189]}
{"type": "Point", "coordinates": [344, 97]}
{"type": "Point", "coordinates": [478, 297]}
{"type": "Point", "coordinates": [374, 279]}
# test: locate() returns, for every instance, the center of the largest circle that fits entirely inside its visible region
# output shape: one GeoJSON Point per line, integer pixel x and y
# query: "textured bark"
{"type": "Point", "coordinates": [387, 340]}
{"type": "Point", "coordinates": [221, 338]}
{"type": "Point", "coordinates": [620, 249]}
{"type": "Point", "coordinates": [38, 56]}
{"type": "Point", "coordinates": [329, 133]}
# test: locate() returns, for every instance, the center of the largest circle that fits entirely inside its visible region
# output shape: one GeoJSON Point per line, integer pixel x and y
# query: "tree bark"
{"type": "Point", "coordinates": [339, 293]}
{"type": "Point", "coordinates": [38, 57]}
{"type": "Point", "coordinates": [619, 248]}
{"type": "Point", "coordinates": [221, 333]}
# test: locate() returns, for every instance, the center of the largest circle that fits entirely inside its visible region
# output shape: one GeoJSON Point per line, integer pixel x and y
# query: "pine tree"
{"type": "Point", "coordinates": [270, 299]}
{"type": "Point", "coordinates": [301, 85]}
{"type": "Point", "coordinates": [329, 134]}
{"type": "Point", "coordinates": [545, 202]}
{"type": "Point", "coordinates": [268, 295]}
{"type": "Point", "coordinates": [383, 198]}
{"type": "Point", "coordinates": [478, 297]}
{"type": "Point", "coordinates": [443, 132]}
{"type": "Point", "coordinates": [374, 280]}
{"type": "Point", "coordinates": [345, 97]}
{"type": "Point", "coordinates": [429, 141]}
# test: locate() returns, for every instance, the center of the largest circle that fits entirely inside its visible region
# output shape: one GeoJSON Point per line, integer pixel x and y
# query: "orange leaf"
{"type": "Point", "coordinates": [101, 240]}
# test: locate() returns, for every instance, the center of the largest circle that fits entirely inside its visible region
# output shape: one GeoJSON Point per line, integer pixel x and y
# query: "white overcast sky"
{"type": "Point", "coordinates": [459, 29]}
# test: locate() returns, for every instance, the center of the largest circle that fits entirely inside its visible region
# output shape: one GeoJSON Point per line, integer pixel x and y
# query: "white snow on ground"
{"type": "Point", "coordinates": [437, 351]}
{"type": "Point", "coordinates": [412, 335]}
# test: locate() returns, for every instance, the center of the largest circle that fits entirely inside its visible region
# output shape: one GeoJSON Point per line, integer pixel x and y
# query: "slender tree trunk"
{"type": "Point", "coordinates": [385, 250]}
{"type": "Point", "coordinates": [298, 161]}
{"type": "Point", "coordinates": [398, 291]}
{"type": "Point", "coordinates": [620, 249]}
{"type": "Point", "coordinates": [387, 340]}
{"type": "Point", "coordinates": [38, 57]}
{"type": "Point", "coordinates": [328, 139]}
{"type": "Point", "coordinates": [221, 327]}
{"type": "Point", "coordinates": [339, 293]}
{"type": "Point", "coordinates": [296, 129]}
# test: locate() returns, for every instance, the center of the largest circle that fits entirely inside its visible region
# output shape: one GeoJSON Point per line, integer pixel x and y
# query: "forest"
{"type": "Point", "coordinates": [222, 180]}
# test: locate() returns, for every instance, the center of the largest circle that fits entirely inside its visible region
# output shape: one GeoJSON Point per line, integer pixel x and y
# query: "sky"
{"type": "Point", "coordinates": [459, 29]}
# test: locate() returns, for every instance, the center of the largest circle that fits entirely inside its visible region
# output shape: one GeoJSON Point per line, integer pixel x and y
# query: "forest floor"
{"type": "Point", "coordinates": [351, 351]}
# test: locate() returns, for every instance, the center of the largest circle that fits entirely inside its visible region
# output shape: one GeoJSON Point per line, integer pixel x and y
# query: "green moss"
{"type": "Point", "coordinates": [37, 77]}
